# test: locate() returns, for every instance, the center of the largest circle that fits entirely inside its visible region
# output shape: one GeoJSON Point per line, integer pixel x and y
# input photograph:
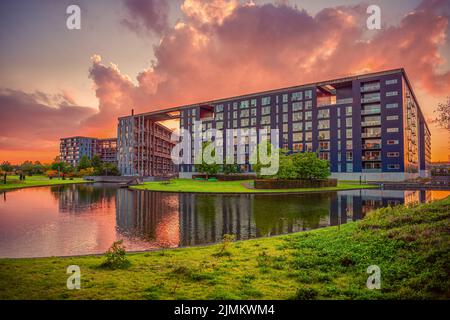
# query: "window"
{"type": "Point", "coordinates": [391, 118]}
{"type": "Point", "coordinates": [323, 124]}
{"type": "Point", "coordinates": [391, 105]}
{"type": "Point", "coordinates": [265, 101]}
{"type": "Point", "coordinates": [285, 108]}
{"type": "Point", "coordinates": [308, 125]}
{"type": "Point", "coordinates": [323, 114]}
{"type": "Point", "coordinates": [349, 155]}
{"type": "Point", "coordinates": [235, 114]}
{"type": "Point", "coordinates": [297, 96]}
{"type": "Point", "coordinates": [308, 147]}
{"type": "Point", "coordinates": [349, 145]}
{"type": "Point", "coordinates": [308, 94]}
{"type": "Point", "coordinates": [297, 136]}
{"type": "Point", "coordinates": [391, 93]}
{"type": "Point", "coordinates": [308, 136]}
{"type": "Point", "coordinates": [285, 97]}
{"type": "Point", "coordinates": [324, 135]}
{"type": "Point", "coordinates": [393, 154]}
{"type": "Point", "coordinates": [219, 125]}
{"type": "Point", "coordinates": [297, 126]}
{"type": "Point", "coordinates": [348, 122]}
{"type": "Point", "coordinates": [391, 130]}
{"type": "Point", "coordinates": [308, 105]}
{"type": "Point", "coordinates": [297, 106]}
{"type": "Point", "coordinates": [324, 155]}
{"type": "Point", "coordinates": [265, 120]}
{"type": "Point", "coordinates": [349, 167]}
{"type": "Point", "coordinates": [297, 116]}
{"type": "Point", "coordinates": [348, 110]}
{"type": "Point", "coordinates": [253, 102]}
{"type": "Point", "coordinates": [253, 112]}
{"type": "Point", "coordinates": [244, 104]}
{"type": "Point", "coordinates": [219, 116]}
{"type": "Point", "coordinates": [285, 118]}
{"type": "Point", "coordinates": [297, 147]}
{"type": "Point", "coordinates": [219, 108]}
{"type": "Point", "coordinates": [390, 142]}
{"type": "Point", "coordinates": [285, 127]}
{"type": "Point", "coordinates": [349, 133]}
{"type": "Point", "coordinates": [265, 110]}
{"type": "Point", "coordinates": [244, 122]}
{"type": "Point", "coordinates": [244, 113]}
{"type": "Point", "coordinates": [393, 166]}
{"type": "Point", "coordinates": [308, 115]}
{"type": "Point", "coordinates": [392, 81]}
{"type": "Point", "coordinates": [253, 121]}
{"type": "Point", "coordinates": [324, 145]}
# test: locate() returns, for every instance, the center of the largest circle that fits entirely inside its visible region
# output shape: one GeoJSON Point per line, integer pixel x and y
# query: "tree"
{"type": "Point", "coordinates": [229, 168]}
{"type": "Point", "coordinates": [7, 166]}
{"type": "Point", "coordinates": [86, 172]}
{"type": "Point", "coordinates": [84, 163]}
{"type": "Point", "coordinates": [208, 168]}
{"type": "Point", "coordinates": [286, 166]}
{"type": "Point", "coordinates": [256, 157]}
{"type": "Point", "coordinates": [27, 168]}
{"type": "Point", "coordinates": [62, 167]}
{"type": "Point", "coordinates": [443, 115]}
{"type": "Point", "coordinates": [309, 166]}
{"type": "Point", "coordinates": [96, 162]}
{"type": "Point", "coordinates": [107, 169]}
{"type": "Point", "coordinates": [51, 173]}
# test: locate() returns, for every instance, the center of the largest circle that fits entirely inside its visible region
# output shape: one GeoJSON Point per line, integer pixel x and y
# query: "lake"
{"type": "Point", "coordinates": [88, 218]}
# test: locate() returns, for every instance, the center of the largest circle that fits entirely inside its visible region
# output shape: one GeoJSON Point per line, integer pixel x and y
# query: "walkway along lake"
{"type": "Point", "coordinates": [88, 218]}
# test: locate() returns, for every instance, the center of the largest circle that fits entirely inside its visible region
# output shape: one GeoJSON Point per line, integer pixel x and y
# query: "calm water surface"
{"type": "Point", "coordinates": [83, 219]}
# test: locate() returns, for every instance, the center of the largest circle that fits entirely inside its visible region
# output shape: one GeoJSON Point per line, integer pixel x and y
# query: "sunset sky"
{"type": "Point", "coordinates": [155, 54]}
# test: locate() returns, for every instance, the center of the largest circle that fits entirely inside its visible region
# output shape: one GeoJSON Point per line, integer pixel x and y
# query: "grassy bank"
{"type": "Point", "coordinates": [13, 182]}
{"type": "Point", "coordinates": [410, 245]}
{"type": "Point", "coordinates": [189, 185]}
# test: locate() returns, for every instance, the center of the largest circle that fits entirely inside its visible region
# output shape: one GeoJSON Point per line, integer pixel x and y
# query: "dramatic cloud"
{"type": "Point", "coordinates": [150, 15]}
{"type": "Point", "coordinates": [35, 121]}
{"type": "Point", "coordinates": [221, 48]}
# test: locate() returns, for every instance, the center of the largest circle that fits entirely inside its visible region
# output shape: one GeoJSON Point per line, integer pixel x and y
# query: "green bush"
{"type": "Point", "coordinates": [115, 257]}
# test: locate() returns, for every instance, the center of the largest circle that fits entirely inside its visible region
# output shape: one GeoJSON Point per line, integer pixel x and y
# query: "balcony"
{"type": "Point", "coordinates": [370, 88]}
{"type": "Point", "coordinates": [371, 134]}
{"type": "Point", "coordinates": [371, 146]}
{"type": "Point", "coordinates": [370, 111]}
{"type": "Point", "coordinates": [371, 170]}
{"type": "Point", "coordinates": [371, 158]}
{"type": "Point", "coordinates": [371, 123]}
{"type": "Point", "coordinates": [370, 99]}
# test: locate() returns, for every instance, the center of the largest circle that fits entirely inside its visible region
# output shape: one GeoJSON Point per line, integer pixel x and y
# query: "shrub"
{"type": "Point", "coordinates": [226, 241]}
{"type": "Point", "coordinates": [115, 257]}
{"type": "Point", "coordinates": [305, 294]}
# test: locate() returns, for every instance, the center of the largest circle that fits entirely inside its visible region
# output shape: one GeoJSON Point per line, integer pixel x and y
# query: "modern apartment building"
{"type": "Point", "coordinates": [144, 146]}
{"type": "Point", "coordinates": [72, 149]}
{"type": "Point", "coordinates": [368, 126]}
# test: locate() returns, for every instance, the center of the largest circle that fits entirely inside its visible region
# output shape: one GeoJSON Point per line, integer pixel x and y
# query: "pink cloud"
{"type": "Point", "coordinates": [222, 48]}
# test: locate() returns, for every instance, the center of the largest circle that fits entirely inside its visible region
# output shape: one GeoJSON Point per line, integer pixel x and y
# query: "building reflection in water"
{"type": "Point", "coordinates": [189, 219]}
{"type": "Point", "coordinates": [84, 197]}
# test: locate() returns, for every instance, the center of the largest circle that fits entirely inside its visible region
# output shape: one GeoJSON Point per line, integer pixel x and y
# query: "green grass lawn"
{"type": "Point", "coordinates": [13, 182]}
{"type": "Point", "coordinates": [410, 245]}
{"type": "Point", "coordinates": [189, 185]}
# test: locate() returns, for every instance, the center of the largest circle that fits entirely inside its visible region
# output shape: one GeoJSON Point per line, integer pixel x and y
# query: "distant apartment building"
{"type": "Point", "coordinates": [72, 149]}
{"type": "Point", "coordinates": [144, 146]}
{"type": "Point", "coordinates": [367, 126]}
